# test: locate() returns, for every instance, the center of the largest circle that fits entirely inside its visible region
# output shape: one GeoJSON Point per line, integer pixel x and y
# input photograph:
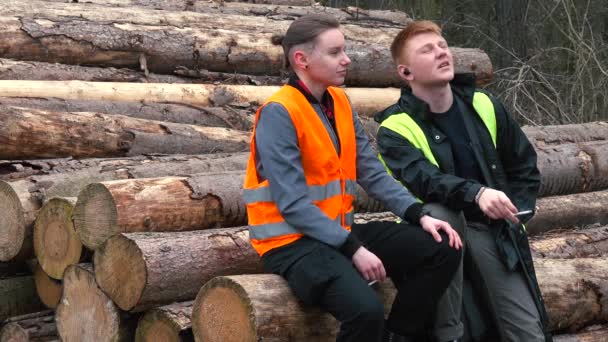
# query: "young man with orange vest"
{"type": "Point", "coordinates": [308, 152]}
{"type": "Point", "coordinates": [450, 143]}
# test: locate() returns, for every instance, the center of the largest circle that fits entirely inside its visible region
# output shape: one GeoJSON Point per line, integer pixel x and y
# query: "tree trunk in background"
{"type": "Point", "coordinates": [512, 31]}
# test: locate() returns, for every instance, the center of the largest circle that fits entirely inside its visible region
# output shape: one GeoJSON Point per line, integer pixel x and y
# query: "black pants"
{"type": "Point", "coordinates": [420, 268]}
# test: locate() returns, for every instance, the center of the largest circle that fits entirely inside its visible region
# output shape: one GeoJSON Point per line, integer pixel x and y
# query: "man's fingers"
{"type": "Point", "coordinates": [436, 235]}
{"type": "Point", "coordinates": [382, 273]}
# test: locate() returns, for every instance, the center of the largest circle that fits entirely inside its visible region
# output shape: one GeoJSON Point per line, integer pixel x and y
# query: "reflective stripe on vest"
{"type": "Point", "coordinates": [271, 230]}
{"type": "Point", "coordinates": [330, 177]}
{"type": "Point", "coordinates": [315, 192]}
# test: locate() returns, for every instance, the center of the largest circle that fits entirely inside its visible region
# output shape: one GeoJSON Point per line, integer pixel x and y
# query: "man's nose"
{"type": "Point", "coordinates": [346, 59]}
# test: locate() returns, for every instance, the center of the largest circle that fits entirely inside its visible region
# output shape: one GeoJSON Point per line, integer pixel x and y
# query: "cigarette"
{"type": "Point", "coordinates": [525, 212]}
{"type": "Point", "coordinates": [372, 282]}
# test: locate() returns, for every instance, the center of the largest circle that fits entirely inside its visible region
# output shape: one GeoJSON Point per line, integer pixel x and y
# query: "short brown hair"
{"type": "Point", "coordinates": [304, 30]}
{"type": "Point", "coordinates": [413, 29]}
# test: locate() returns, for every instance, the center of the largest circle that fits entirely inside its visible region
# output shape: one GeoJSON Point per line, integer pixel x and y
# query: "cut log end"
{"type": "Point", "coordinates": [56, 243]}
{"type": "Point", "coordinates": [120, 270]}
{"type": "Point", "coordinates": [157, 330]}
{"type": "Point", "coordinates": [157, 326]}
{"type": "Point", "coordinates": [12, 223]}
{"type": "Point", "coordinates": [85, 313]}
{"type": "Point", "coordinates": [48, 289]}
{"type": "Point", "coordinates": [223, 298]}
{"type": "Point", "coordinates": [169, 323]}
{"type": "Point", "coordinates": [95, 215]}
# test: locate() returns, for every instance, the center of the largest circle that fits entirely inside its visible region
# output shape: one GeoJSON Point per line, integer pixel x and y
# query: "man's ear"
{"type": "Point", "coordinates": [300, 60]}
{"type": "Point", "coordinates": [404, 72]}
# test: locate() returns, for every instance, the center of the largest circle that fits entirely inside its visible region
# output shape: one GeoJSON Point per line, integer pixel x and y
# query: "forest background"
{"type": "Point", "coordinates": [550, 57]}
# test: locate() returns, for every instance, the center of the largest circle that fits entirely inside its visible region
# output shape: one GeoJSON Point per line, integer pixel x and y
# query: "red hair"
{"type": "Point", "coordinates": [413, 29]}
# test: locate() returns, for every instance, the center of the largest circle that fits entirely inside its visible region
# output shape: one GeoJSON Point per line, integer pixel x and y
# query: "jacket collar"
{"type": "Point", "coordinates": [463, 86]}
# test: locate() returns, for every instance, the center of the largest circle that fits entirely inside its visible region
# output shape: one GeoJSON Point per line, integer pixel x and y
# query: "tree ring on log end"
{"type": "Point", "coordinates": [56, 243]}
{"type": "Point", "coordinates": [95, 215]}
{"type": "Point", "coordinates": [120, 270]}
{"type": "Point", "coordinates": [222, 312]}
{"type": "Point", "coordinates": [12, 223]}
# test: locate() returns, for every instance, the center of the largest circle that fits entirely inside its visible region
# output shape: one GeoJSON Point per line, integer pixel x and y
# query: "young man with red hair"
{"type": "Point", "coordinates": [448, 142]}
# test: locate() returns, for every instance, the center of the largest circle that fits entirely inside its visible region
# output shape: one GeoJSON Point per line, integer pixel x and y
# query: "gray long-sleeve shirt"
{"type": "Point", "coordinates": [279, 161]}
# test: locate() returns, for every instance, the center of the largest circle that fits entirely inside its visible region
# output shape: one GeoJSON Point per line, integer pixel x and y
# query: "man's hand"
{"type": "Point", "coordinates": [433, 226]}
{"type": "Point", "coordinates": [369, 265]}
{"type": "Point", "coordinates": [496, 205]}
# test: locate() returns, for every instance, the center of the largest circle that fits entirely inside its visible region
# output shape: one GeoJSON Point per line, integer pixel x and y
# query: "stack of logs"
{"type": "Point", "coordinates": [120, 180]}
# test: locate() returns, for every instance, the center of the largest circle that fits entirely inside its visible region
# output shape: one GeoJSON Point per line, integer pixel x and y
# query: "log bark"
{"type": "Point", "coordinates": [262, 307]}
{"type": "Point", "coordinates": [29, 133]}
{"type": "Point", "coordinates": [160, 42]}
{"type": "Point", "coordinates": [268, 10]}
{"type": "Point", "coordinates": [142, 270]}
{"type": "Point", "coordinates": [20, 200]}
{"type": "Point", "coordinates": [225, 297]}
{"type": "Point", "coordinates": [573, 168]}
{"type": "Point", "coordinates": [29, 70]}
{"type": "Point", "coordinates": [18, 296]}
{"type": "Point", "coordinates": [575, 291]}
{"type": "Point", "coordinates": [571, 133]}
{"type": "Point", "coordinates": [158, 204]}
{"type": "Point", "coordinates": [239, 117]}
{"type": "Point", "coordinates": [48, 289]}
{"type": "Point", "coordinates": [188, 5]}
{"type": "Point", "coordinates": [596, 333]}
{"type": "Point", "coordinates": [85, 313]}
{"type": "Point", "coordinates": [37, 327]}
{"type": "Point", "coordinates": [36, 171]}
{"type": "Point", "coordinates": [170, 323]}
{"type": "Point", "coordinates": [168, 204]}
{"type": "Point", "coordinates": [583, 243]}
{"type": "Point", "coordinates": [569, 211]}
{"type": "Point", "coordinates": [41, 71]}
{"type": "Point", "coordinates": [366, 101]}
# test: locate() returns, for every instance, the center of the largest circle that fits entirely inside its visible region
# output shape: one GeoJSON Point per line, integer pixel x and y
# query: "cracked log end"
{"type": "Point", "coordinates": [120, 270]}
{"type": "Point", "coordinates": [12, 223]}
{"type": "Point", "coordinates": [95, 215]}
{"type": "Point", "coordinates": [85, 313]}
{"type": "Point", "coordinates": [56, 243]}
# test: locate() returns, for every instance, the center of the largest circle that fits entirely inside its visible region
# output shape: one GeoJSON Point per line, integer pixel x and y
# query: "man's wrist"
{"type": "Point", "coordinates": [350, 246]}
{"type": "Point", "coordinates": [479, 193]}
{"type": "Point", "coordinates": [413, 213]}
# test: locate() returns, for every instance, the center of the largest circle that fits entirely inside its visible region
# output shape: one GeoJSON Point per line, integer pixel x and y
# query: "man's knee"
{"type": "Point", "coordinates": [370, 311]}
{"type": "Point", "coordinates": [454, 218]}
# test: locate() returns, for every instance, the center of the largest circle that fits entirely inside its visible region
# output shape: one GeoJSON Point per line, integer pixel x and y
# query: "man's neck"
{"type": "Point", "coordinates": [439, 99]}
{"type": "Point", "coordinates": [317, 90]}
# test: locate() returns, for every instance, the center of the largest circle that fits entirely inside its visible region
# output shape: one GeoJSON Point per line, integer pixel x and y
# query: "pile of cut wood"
{"type": "Point", "coordinates": [124, 131]}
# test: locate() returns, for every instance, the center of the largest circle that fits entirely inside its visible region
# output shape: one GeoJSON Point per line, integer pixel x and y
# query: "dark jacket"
{"type": "Point", "coordinates": [509, 167]}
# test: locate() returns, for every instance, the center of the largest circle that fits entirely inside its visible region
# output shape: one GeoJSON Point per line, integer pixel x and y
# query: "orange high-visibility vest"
{"type": "Point", "coordinates": [331, 178]}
